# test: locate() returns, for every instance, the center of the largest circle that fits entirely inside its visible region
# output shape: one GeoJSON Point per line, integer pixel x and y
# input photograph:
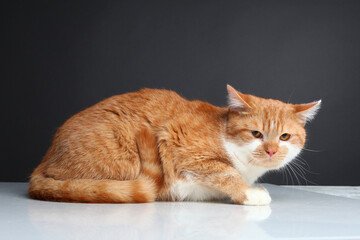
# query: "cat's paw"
{"type": "Point", "coordinates": [257, 196]}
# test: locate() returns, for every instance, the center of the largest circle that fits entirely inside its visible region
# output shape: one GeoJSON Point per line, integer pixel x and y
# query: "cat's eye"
{"type": "Point", "coordinates": [257, 134]}
{"type": "Point", "coordinates": [285, 137]}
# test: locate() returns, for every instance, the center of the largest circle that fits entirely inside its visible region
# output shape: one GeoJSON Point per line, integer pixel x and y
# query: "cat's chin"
{"type": "Point", "coordinates": [268, 163]}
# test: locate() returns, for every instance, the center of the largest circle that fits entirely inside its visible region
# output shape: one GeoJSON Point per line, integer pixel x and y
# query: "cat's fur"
{"type": "Point", "coordinates": [155, 145]}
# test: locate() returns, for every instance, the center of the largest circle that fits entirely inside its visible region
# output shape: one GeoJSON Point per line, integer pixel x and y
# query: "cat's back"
{"type": "Point", "coordinates": [148, 103]}
{"type": "Point", "coordinates": [136, 106]}
{"type": "Point", "coordinates": [153, 106]}
{"type": "Point", "coordinates": [145, 97]}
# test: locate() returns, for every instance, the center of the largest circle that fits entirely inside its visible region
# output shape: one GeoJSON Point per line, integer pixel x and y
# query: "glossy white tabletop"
{"type": "Point", "coordinates": [293, 214]}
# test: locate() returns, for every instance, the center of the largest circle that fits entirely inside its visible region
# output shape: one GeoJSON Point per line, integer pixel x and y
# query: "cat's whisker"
{"type": "Point", "coordinates": [308, 181]}
{"type": "Point", "coordinates": [283, 172]}
{"type": "Point", "coordinates": [294, 172]}
{"type": "Point", "coordinates": [299, 166]}
{"type": "Point", "coordinates": [312, 150]}
{"type": "Point", "coordinates": [287, 180]}
{"type": "Point", "coordinates": [299, 170]}
{"type": "Point", "coordinates": [287, 177]}
{"type": "Point", "coordinates": [300, 160]}
{"type": "Point", "coordinates": [287, 169]}
{"type": "Point", "coordinates": [290, 173]}
{"type": "Point", "coordinates": [303, 174]}
{"type": "Point", "coordinates": [297, 175]}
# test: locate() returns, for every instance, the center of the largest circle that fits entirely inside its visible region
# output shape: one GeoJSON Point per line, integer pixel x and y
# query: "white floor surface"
{"type": "Point", "coordinates": [293, 214]}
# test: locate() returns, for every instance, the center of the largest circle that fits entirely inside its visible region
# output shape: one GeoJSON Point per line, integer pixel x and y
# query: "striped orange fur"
{"type": "Point", "coordinates": [155, 145]}
{"type": "Point", "coordinates": [142, 189]}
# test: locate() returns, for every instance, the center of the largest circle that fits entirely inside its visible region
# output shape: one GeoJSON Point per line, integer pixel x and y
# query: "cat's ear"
{"type": "Point", "coordinates": [236, 100]}
{"type": "Point", "coordinates": [306, 112]}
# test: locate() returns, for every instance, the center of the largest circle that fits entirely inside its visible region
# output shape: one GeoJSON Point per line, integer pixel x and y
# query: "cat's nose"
{"type": "Point", "coordinates": [271, 152]}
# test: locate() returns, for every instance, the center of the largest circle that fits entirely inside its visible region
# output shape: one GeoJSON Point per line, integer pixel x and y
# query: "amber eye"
{"type": "Point", "coordinates": [257, 134]}
{"type": "Point", "coordinates": [285, 137]}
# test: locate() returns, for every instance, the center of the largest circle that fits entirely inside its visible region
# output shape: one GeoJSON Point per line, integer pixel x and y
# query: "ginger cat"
{"type": "Point", "coordinates": [155, 145]}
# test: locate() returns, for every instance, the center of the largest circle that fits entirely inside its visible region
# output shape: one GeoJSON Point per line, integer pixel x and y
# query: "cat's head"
{"type": "Point", "coordinates": [266, 133]}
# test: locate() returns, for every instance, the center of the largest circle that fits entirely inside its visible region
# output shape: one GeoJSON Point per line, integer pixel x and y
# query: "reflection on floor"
{"type": "Point", "coordinates": [292, 214]}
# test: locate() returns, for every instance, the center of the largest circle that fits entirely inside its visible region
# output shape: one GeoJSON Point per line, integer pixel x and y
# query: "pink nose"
{"type": "Point", "coordinates": [271, 152]}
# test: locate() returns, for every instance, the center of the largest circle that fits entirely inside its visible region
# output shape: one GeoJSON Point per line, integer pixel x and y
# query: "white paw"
{"type": "Point", "coordinates": [257, 196]}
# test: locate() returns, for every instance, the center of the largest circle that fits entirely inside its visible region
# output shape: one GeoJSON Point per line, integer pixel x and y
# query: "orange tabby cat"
{"type": "Point", "coordinates": [155, 145]}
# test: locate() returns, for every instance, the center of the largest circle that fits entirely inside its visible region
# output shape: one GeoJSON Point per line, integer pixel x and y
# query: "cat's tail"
{"type": "Point", "coordinates": [143, 189]}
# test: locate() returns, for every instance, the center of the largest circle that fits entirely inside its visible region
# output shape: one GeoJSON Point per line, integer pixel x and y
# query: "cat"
{"type": "Point", "coordinates": [155, 145]}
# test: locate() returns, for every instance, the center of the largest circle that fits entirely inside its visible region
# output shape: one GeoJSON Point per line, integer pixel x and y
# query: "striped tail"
{"type": "Point", "coordinates": [143, 189]}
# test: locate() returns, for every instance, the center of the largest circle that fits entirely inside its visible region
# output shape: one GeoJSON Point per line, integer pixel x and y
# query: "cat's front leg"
{"type": "Point", "coordinates": [224, 178]}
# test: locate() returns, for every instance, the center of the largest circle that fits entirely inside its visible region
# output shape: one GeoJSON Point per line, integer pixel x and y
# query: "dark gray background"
{"type": "Point", "coordinates": [59, 57]}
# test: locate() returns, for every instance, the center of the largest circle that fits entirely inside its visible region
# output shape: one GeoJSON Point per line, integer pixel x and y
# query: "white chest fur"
{"type": "Point", "coordinates": [239, 156]}
{"type": "Point", "coordinates": [190, 191]}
